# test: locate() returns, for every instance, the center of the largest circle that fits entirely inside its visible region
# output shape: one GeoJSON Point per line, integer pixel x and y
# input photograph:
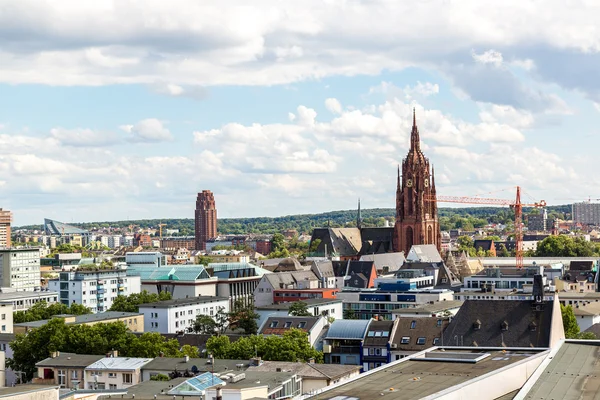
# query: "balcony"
{"type": "Point", "coordinates": [345, 350]}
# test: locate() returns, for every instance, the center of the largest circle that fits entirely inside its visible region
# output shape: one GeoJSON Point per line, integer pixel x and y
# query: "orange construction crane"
{"type": "Point", "coordinates": [515, 204]}
{"type": "Point", "coordinates": [160, 226]}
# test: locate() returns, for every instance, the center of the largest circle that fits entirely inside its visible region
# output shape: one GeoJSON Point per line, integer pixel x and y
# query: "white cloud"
{"type": "Point", "coordinates": [83, 137]}
{"type": "Point", "coordinates": [597, 106]}
{"type": "Point", "coordinates": [422, 89]}
{"type": "Point", "coordinates": [333, 105]}
{"type": "Point", "coordinates": [149, 130]}
{"type": "Point", "coordinates": [489, 57]}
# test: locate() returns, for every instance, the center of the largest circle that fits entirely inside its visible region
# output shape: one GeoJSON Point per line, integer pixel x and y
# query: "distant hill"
{"type": "Point", "coordinates": [304, 223]}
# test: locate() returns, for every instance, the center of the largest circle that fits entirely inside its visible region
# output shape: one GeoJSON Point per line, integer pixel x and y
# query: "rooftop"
{"type": "Point", "coordinates": [438, 306]}
{"type": "Point", "coordinates": [352, 329]}
{"type": "Point", "coordinates": [307, 370]}
{"type": "Point", "coordinates": [69, 360]}
{"type": "Point", "coordinates": [11, 392]}
{"type": "Point", "coordinates": [309, 302]}
{"type": "Point", "coordinates": [84, 319]}
{"type": "Point", "coordinates": [119, 363]}
{"type": "Point", "coordinates": [202, 364]}
{"type": "Point", "coordinates": [573, 373]}
{"type": "Point", "coordinates": [409, 378]}
{"type": "Point", "coordinates": [183, 302]}
{"type": "Point", "coordinates": [278, 325]}
{"type": "Point", "coordinates": [8, 296]}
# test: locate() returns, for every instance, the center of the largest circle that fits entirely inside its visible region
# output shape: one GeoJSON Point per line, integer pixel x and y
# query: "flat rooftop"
{"type": "Point", "coordinates": [430, 308]}
{"type": "Point", "coordinates": [412, 379]}
{"type": "Point", "coordinates": [183, 302]}
{"type": "Point", "coordinates": [573, 374]}
{"type": "Point", "coordinates": [25, 295]}
{"type": "Point", "coordinates": [83, 319]}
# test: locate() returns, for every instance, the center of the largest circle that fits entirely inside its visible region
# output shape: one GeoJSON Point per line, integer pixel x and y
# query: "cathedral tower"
{"type": "Point", "coordinates": [416, 217]}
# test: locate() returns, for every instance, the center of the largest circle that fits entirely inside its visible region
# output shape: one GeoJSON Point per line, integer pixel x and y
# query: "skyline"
{"type": "Point", "coordinates": [288, 108]}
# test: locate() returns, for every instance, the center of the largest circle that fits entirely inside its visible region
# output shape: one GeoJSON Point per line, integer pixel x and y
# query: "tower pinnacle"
{"type": "Point", "coordinates": [415, 141]}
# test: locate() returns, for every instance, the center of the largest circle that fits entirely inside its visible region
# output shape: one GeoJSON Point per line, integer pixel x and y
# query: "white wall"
{"type": "Point", "coordinates": [117, 380]}
{"type": "Point", "coordinates": [179, 318]}
{"type": "Point", "coordinates": [585, 321]}
{"type": "Point", "coordinates": [186, 290]}
{"type": "Point", "coordinates": [263, 294]}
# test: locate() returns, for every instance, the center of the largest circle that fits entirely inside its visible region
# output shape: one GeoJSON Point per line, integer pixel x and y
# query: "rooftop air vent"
{"type": "Point", "coordinates": [504, 326]}
{"type": "Point", "coordinates": [477, 325]}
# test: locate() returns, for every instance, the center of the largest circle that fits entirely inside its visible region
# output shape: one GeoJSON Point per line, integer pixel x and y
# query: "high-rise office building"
{"type": "Point", "coordinates": [5, 220]}
{"type": "Point", "coordinates": [205, 219]}
{"type": "Point", "coordinates": [586, 213]}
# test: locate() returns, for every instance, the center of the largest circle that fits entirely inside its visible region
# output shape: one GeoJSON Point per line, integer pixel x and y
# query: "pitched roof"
{"type": "Point", "coordinates": [280, 280]}
{"type": "Point", "coordinates": [119, 363]}
{"type": "Point", "coordinates": [323, 268]}
{"type": "Point", "coordinates": [378, 333]}
{"type": "Point", "coordinates": [484, 244]}
{"type": "Point", "coordinates": [391, 260]}
{"type": "Point", "coordinates": [307, 370]}
{"type": "Point", "coordinates": [526, 327]}
{"type": "Point", "coordinates": [429, 328]}
{"type": "Point", "coordinates": [348, 329]}
{"type": "Point", "coordinates": [341, 241]}
{"type": "Point", "coordinates": [202, 364]}
{"type": "Point", "coordinates": [362, 270]}
{"type": "Point", "coordinates": [69, 360]}
{"type": "Point", "coordinates": [280, 325]}
{"type": "Point", "coordinates": [424, 253]}
{"type": "Point", "coordinates": [429, 308]}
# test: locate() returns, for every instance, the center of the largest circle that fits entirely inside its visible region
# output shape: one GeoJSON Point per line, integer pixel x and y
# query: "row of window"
{"type": "Point", "coordinates": [378, 334]}
{"type": "Point", "coordinates": [420, 340]}
{"type": "Point", "coordinates": [287, 324]}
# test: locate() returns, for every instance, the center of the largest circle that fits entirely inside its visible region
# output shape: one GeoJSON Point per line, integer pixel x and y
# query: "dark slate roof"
{"type": "Point", "coordinates": [393, 261]}
{"type": "Point", "coordinates": [424, 327]}
{"type": "Point", "coordinates": [69, 360]}
{"type": "Point", "coordinates": [519, 315]}
{"type": "Point", "coordinates": [323, 268]}
{"type": "Point", "coordinates": [342, 241]}
{"type": "Point", "coordinates": [169, 364]}
{"type": "Point", "coordinates": [595, 329]}
{"type": "Point", "coordinates": [484, 244]}
{"type": "Point", "coordinates": [358, 271]}
{"type": "Point", "coordinates": [581, 265]}
{"type": "Point", "coordinates": [375, 336]}
{"type": "Point", "coordinates": [285, 323]}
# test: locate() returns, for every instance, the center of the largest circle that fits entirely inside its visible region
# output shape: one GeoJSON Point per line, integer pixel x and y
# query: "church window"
{"type": "Point", "coordinates": [430, 235]}
{"type": "Point", "coordinates": [409, 238]}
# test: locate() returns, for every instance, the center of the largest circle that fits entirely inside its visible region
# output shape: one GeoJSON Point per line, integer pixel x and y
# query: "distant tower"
{"type": "Point", "coordinates": [358, 216]}
{"type": "Point", "coordinates": [416, 218]}
{"type": "Point", "coordinates": [5, 220]}
{"type": "Point", "coordinates": [206, 219]}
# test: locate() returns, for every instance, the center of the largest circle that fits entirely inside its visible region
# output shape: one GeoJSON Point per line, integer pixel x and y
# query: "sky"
{"type": "Point", "coordinates": [115, 110]}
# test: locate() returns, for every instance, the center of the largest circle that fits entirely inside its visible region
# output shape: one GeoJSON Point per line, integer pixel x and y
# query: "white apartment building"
{"type": "Point", "coordinates": [94, 289]}
{"type": "Point", "coordinates": [178, 315]}
{"type": "Point", "coordinates": [104, 240]}
{"type": "Point", "coordinates": [20, 269]}
{"type": "Point", "coordinates": [115, 241]}
{"type": "Point", "coordinates": [113, 373]}
{"type": "Point", "coordinates": [507, 279]}
{"type": "Point", "coordinates": [145, 259]}
{"type": "Point", "coordinates": [22, 301]}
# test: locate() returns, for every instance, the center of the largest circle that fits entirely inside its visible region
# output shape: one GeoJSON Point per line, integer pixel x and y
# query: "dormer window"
{"type": "Point", "coordinates": [504, 326]}
{"type": "Point", "coordinates": [477, 325]}
{"type": "Point", "coordinates": [413, 324]}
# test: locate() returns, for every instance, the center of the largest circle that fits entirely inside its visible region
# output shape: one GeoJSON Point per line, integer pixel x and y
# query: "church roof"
{"type": "Point", "coordinates": [424, 253]}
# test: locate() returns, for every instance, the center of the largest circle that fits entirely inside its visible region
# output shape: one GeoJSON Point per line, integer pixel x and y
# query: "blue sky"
{"type": "Point", "coordinates": [125, 110]}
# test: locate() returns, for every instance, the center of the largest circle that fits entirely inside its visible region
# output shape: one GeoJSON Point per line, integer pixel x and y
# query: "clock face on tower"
{"type": "Point", "coordinates": [409, 182]}
{"type": "Point", "coordinates": [426, 182]}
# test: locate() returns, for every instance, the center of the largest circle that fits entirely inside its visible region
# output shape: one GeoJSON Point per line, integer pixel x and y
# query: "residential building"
{"type": "Point", "coordinates": [385, 263]}
{"type": "Point", "coordinates": [66, 370]}
{"type": "Point", "coordinates": [488, 247]}
{"type": "Point", "coordinates": [416, 218]}
{"type": "Point", "coordinates": [327, 307]}
{"type": "Point", "coordinates": [205, 219]}
{"type": "Point", "coordinates": [145, 259]}
{"type": "Point", "coordinates": [237, 281]}
{"type": "Point", "coordinates": [343, 342]}
{"type": "Point", "coordinates": [287, 295]}
{"type": "Point", "coordinates": [587, 314]}
{"type": "Point", "coordinates": [436, 309]}
{"type": "Point", "coordinates": [323, 270]}
{"type": "Point", "coordinates": [167, 365]}
{"type": "Point", "coordinates": [6, 317]}
{"type": "Point", "coordinates": [406, 279]}
{"type": "Point", "coordinates": [114, 372]}
{"type": "Point", "coordinates": [376, 350]}
{"type": "Point", "coordinates": [264, 292]}
{"type": "Point", "coordinates": [355, 274]}
{"type": "Point", "coordinates": [5, 221]}
{"type": "Point", "coordinates": [574, 298]}
{"type": "Point", "coordinates": [278, 325]}
{"type": "Point", "coordinates": [178, 242]}
{"type": "Point", "coordinates": [8, 376]}
{"type": "Point", "coordinates": [538, 222]}
{"type": "Point", "coordinates": [506, 278]}
{"type": "Point", "coordinates": [133, 321]}
{"type": "Point", "coordinates": [413, 335]}
{"type": "Point", "coordinates": [178, 315]}
{"type": "Point", "coordinates": [22, 301]}
{"type": "Point", "coordinates": [586, 213]}
{"type": "Point", "coordinates": [450, 373]}
{"type": "Point", "coordinates": [27, 392]}
{"type": "Point", "coordinates": [96, 289]}
{"type": "Point", "coordinates": [20, 269]}
{"type": "Point", "coordinates": [224, 256]}
{"type": "Point", "coordinates": [181, 281]}
{"type": "Point", "coordinates": [424, 253]}
{"type": "Point", "coordinates": [262, 246]}
{"type": "Point", "coordinates": [314, 377]}
{"type": "Point", "coordinates": [258, 385]}
{"type": "Point", "coordinates": [371, 303]}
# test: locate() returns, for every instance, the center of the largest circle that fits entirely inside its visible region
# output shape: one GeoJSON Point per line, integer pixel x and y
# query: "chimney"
{"type": "Point", "coordinates": [54, 354]}
{"type": "Point", "coordinates": [186, 358]}
{"type": "Point", "coordinates": [311, 360]}
{"type": "Point", "coordinates": [114, 353]}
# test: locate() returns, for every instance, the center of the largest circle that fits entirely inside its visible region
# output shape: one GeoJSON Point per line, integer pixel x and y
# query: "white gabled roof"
{"type": "Point", "coordinates": [119, 363]}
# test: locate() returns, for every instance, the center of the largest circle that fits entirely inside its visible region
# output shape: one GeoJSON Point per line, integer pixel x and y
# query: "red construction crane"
{"type": "Point", "coordinates": [515, 204]}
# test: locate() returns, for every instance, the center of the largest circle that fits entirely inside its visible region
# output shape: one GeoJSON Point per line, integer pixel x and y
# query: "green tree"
{"type": "Point", "coordinates": [569, 322]}
{"type": "Point", "coordinates": [277, 242]}
{"type": "Point", "coordinates": [587, 336]}
{"type": "Point", "coordinates": [218, 346]}
{"type": "Point", "coordinates": [131, 303]}
{"type": "Point", "coordinates": [466, 244]}
{"type": "Point", "coordinates": [204, 324]}
{"type": "Point", "coordinates": [244, 316]}
{"type": "Point", "coordinates": [221, 320]}
{"type": "Point", "coordinates": [42, 311]}
{"type": "Point", "coordinates": [160, 377]}
{"type": "Point", "coordinates": [204, 260]}
{"type": "Point", "coordinates": [503, 251]}
{"type": "Point", "coordinates": [350, 314]}
{"type": "Point", "coordinates": [299, 309]}
{"type": "Point", "coordinates": [565, 246]}
{"type": "Point", "coordinates": [190, 351]}
{"type": "Point", "coordinates": [314, 245]}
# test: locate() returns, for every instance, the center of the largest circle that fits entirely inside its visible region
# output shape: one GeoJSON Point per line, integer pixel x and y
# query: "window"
{"type": "Point", "coordinates": [287, 324]}
{"type": "Point", "coordinates": [371, 334]}
{"type": "Point", "coordinates": [273, 324]}
{"type": "Point", "coordinates": [74, 374]}
{"type": "Point", "coordinates": [421, 340]}
{"type": "Point", "coordinates": [377, 352]}
{"type": "Point", "coordinates": [3, 328]}
{"type": "Point", "coordinates": [3, 316]}
{"type": "Point", "coordinates": [413, 325]}
{"type": "Point", "coordinates": [371, 351]}
{"type": "Point", "coordinates": [439, 322]}
{"type": "Point", "coordinates": [335, 360]}
{"type": "Point", "coordinates": [112, 386]}
{"type": "Point", "coordinates": [301, 325]}
{"type": "Point", "coordinates": [62, 378]}
{"type": "Point", "coordinates": [436, 341]}
{"type": "Point", "coordinates": [385, 334]}
{"type": "Point", "coordinates": [378, 334]}
{"type": "Point", "coordinates": [405, 340]}
{"type": "Point", "coordinates": [127, 378]}
{"type": "Point", "coordinates": [112, 374]}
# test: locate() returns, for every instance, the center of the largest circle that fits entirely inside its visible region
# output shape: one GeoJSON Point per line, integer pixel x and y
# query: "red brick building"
{"type": "Point", "coordinates": [142, 240]}
{"type": "Point", "coordinates": [263, 246]}
{"type": "Point", "coordinates": [416, 218]}
{"type": "Point", "coordinates": [205, 219]}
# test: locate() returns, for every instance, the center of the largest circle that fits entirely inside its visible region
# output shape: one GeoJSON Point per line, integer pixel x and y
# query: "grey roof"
{"type": "Point", "coordinates": [257, 379]}
{"type": "Point", "coordinates": [12, 392]}
{"type": "Point", "coordinates": [436, 307]}
{"type": "Point", "coordinates": [426, 253]}
{"type": "Point", "coordinates": [26, 295]}
{"type": "Point", "coordinates": [280, 280]}
{"type": "Point", "coordinates": [595, 329]}
{"type": "Point", "coordinates": [293, 322]}
{"type": "Point", "coordinates": [415, 328]}
{"type": "Point", "coordinates": [340, 241]}
{"type": "Point", "coordinates": [526, 326]}
{"type": "Point", "coordinates": [119, 363]}
{"type": "Point", "coordinates": [408, 379]}
{"type": "Point", "coordinates": [348, 329]}
{"type": "Point", "coordinates": [84, 319]}
{"type": "Point", "coordinates": [393, 261]}
{"type": "Point", "coordinates": [59, 228]}
{"type": "Point", "coordinates": [7, 337]}
{"type": "Point", "coordinates": [323, 269]}
{"type": "Point", "coordinates": [309, 302]}
{"type": "Point", "coordinates": [307, 370]}
{"type": "Point", "coordinates": [374, 328]}
{"type": "Point", "coordinates": [202, 364]}
{"type": "Point", "coordinates": [148, 389]}
{"type": "Point", "coordinates": [69, 360]}
{"type": "Point", "coordinates": [183, 302]}
{"type": "Point", "coordinates": [573, 373]}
